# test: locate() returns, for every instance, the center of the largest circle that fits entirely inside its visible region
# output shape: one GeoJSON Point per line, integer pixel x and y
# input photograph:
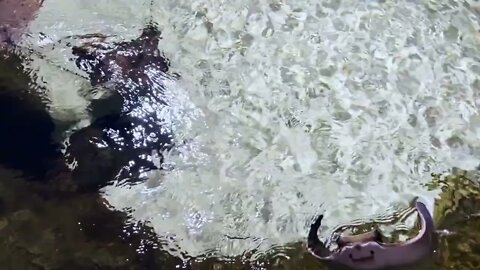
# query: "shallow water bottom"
{"type": "Point", "coordinates": [39, 230]}
{"type": "Point", "coordinates": [89, 236]}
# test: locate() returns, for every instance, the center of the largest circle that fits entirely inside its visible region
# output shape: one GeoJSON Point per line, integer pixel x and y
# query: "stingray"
{"type": "Point", "coordinates": [368, 251]}
{"type": "Point", "coordinates": [124, 137]}
{"type": "Point", "coordinates": [127, 126]}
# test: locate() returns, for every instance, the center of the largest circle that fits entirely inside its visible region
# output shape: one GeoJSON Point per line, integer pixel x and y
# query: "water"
{"type": "Point", "coordinates": [289, 109]}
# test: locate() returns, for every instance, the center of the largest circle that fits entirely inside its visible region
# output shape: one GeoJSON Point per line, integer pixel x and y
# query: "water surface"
{"type": "Point", "coordinates": [285, 109]}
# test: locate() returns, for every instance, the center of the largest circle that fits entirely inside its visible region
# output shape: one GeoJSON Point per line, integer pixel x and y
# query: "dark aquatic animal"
{"type": "Point", "coordinates": [127, 126]}
{"type": "Point", "coordinates": [368, 252]}
{"type": "Point", "coordinates": [119, 142]}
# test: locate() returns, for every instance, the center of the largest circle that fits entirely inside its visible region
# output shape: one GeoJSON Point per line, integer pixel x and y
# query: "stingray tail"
{"type": "Point", "coordinates": [314, 245]}
{"type": "Point", "coordinates": [313, 239]}
{"type": "Point", "coordinates": [150, 21]}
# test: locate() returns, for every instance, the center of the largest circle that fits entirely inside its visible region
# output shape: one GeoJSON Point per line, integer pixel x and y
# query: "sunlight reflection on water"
{"type": "Point", "coordinates": [297, 108]}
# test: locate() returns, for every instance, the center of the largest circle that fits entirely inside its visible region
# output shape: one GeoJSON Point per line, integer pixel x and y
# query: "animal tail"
{"type": "Point", "coordinates": [150, 21]}
{"type": "Point", "coordinates": [313, 239]}
{"type": "Point", "coordinates": [314, 245]}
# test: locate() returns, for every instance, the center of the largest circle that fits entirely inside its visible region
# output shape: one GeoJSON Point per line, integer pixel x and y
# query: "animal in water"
{"type": "Point", "coordinates": [127, 125]}
{"type": "Point", "coordinates": [368, 251]}
{"type": "Point", "coordinates": [119, 142]}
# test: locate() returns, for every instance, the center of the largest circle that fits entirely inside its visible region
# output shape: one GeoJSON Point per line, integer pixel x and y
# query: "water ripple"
{"type": "Point", "coordinates": [287, 108]}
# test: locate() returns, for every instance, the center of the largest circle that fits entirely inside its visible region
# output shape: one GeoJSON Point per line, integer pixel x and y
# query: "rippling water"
{"type": "Point", "coordinates": [288, 108]}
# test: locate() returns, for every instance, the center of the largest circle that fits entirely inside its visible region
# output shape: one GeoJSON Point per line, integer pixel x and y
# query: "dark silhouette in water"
{"type": "Point", "coordinates": [27, 129]}
{"type": "Point", "coordinates": [126, 126]}
{"type": "Point", "coordinates": [120, 143]}
{"type": "Point", "coordinates": [26, 134]}
{"type": "Point", "coordinates": [27, 143]}
{"type": "Point", "coordinates": [123, 63]}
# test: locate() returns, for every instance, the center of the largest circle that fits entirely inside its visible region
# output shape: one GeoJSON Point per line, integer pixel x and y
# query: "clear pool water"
{"type": "Point", "coordinates": [288, 109]}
